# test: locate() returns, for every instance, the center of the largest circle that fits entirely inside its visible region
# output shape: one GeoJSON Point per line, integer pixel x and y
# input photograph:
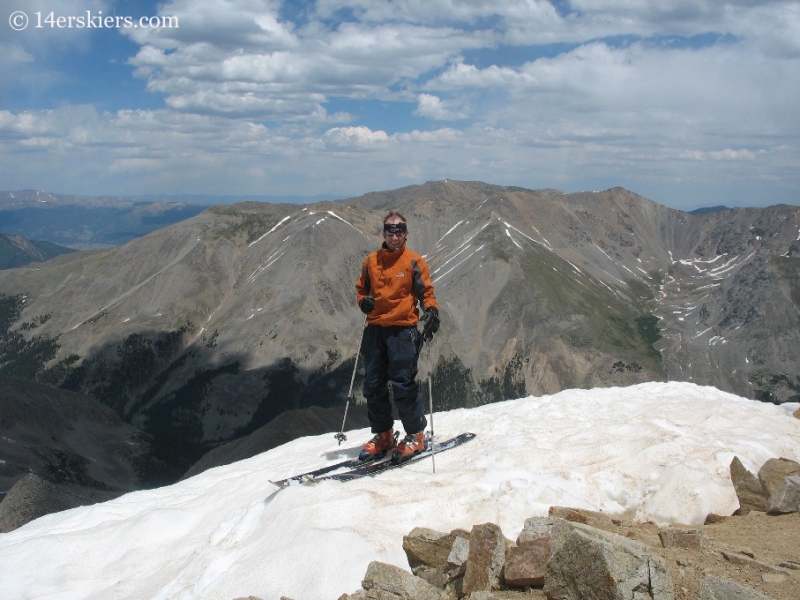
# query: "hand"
{"type": "Point", "coordinates": [431, 323]}
{"type": "Point", "coordinates": [367, 304]}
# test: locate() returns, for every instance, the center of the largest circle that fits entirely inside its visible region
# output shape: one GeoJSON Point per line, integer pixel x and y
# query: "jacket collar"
{"type": "Point", "coordinates": [388, 257]}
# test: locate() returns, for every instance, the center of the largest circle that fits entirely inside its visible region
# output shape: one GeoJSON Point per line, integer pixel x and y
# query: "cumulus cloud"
{"type": "Point", "coordinates": [432, 107]}
{"type": "Point", "coordinates": [242, 48]}
{"type": "Point", "coordinates": [436, 137]}
{"type": "Point", "coordinates": [354, 138]}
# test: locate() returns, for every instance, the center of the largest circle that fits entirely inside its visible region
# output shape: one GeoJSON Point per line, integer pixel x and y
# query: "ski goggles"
{"type": "Point", "coordinates": [394, 228]}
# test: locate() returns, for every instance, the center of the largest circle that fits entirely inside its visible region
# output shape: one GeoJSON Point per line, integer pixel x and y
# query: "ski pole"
{"type": "Point", "coordinates": [341, 437]}
{"type": "Point", "coordinates": [430, 401]}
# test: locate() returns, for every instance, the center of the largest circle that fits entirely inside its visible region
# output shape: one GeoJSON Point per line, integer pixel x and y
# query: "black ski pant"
{"type": "Point", "coordinates": [391, 355]}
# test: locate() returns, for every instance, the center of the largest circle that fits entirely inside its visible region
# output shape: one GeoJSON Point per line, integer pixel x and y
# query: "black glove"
{"type": "Point", "coordinates": [367, 304]}
{"type": "Point", "coordinates": [431, 323]}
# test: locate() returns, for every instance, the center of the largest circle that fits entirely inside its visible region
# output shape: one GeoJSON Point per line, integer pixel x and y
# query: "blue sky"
{"type": "Point", "coordinates": [688, 103]}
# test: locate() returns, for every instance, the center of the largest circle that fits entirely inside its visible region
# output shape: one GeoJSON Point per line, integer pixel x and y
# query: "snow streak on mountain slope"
{"type": "Point", "coordinates": [652, 451]}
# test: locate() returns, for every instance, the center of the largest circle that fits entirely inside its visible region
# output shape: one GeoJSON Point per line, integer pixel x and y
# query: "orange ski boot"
{"type": "Point", "coordinates": [410, 445]}
{"type": "Point", "coordinates": [378, 446]}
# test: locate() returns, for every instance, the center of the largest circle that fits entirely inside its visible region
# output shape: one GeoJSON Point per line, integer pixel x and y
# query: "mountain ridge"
{"type": "Point", "coordinates": [212, 327]}
{"type": "Point", "coordinates": [17, 251]}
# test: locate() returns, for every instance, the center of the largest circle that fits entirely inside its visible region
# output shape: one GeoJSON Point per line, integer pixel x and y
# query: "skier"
{"type": "Point", "coordinates": [393, 280]}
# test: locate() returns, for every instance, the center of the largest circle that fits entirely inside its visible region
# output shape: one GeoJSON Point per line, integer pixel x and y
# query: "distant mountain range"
{"type": "Point", "coordinates": [16, 251]}
{"type": "Point", "coordinates": [84, 222]}
{"type": "Point", "coordinates": [214, 199]}
{"type": "Point", "coordinates": [87, 222]}
{"type": "Point", "coordinates": [203, 332]}
{"type": "Point", "coordinates": [708, 210]}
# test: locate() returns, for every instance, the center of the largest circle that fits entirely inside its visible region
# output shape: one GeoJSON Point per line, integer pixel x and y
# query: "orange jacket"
{"type": "Point", "coordinates": [397, 280]}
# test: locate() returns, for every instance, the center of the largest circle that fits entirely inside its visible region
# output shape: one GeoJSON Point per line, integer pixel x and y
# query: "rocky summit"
{"type": "Point", "coordinates": [574, 554]}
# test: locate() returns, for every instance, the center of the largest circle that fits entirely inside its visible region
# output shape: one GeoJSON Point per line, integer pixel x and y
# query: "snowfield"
{"type": "Point", "coordinates": [654, 451]}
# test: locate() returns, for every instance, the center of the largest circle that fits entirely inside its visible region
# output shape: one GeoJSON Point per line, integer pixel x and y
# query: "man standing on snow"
{"type": "Point", "coordinates": [393, 280]}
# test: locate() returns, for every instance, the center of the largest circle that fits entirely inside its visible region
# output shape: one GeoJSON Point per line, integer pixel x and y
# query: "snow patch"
{"type": "Point", "coordinates": [516, 243]}
{"type": "Point", "coordinates": [281, 222]}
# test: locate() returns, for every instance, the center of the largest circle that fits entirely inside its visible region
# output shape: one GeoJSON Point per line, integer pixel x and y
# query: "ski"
{"type": "Point", "coordinates": [350, 463]}
{"type": "Point", "coordinates": [357, 469]}
{"type": "Point", "coordinates": [374, 468]}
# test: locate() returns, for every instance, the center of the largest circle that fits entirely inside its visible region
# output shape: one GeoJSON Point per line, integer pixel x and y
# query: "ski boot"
{"type": "Point", "coordinates": [410, 445]}
{"type": "Point", "coordinates": [378, 446]}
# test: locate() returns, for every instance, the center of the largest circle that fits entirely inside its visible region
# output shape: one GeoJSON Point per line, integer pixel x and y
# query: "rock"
{"type": "Point", "coordinates": [487, 555]}
{"type": "Point", "coordinates": [429, 547]}
{"type": "Point", "coordinates": [388, 582]}
{"type": "Point", "coordinates": [580, 515]}
{"type": "Point", "coordinates": [591, 563]}
{"type": "Point", "coordinates": [438, 558]}
{"type": "Point", "coordinates": [743, 560]}
{"type": "Point", "coordinates": [774, 577]}
{"type": "Point", "coordinates": [796, 414]}
{"type": "Point", "coordinates": [526, 564]}
{"type": "Point", "coordinates": [736, 550]}
{"type": "Point", "coordinates": [459, 553]}
{"type": "Point", "coordinates": [786, 497]}
{"type": "Point", "coordinates": [757, 514]}
{"type": "Point", "coordinates": [677, 537]}
{"type": "Point", "coordinates": [535, 528]}
{"type": "Point", "coordinates": [712, 518]}
{"type": "Point", "coordinates": [570, 560]}
{"type": "Point", "coordinates": [748, 488]}
{"type": "Point", "coordinates": [433, 576]}
{"type": "Point", "coordinates": [30, 498]}
{"type": "Point", "coordinates": [495, 595]}
{"type": "Point", "coordinates": [716, 588]}
{"type": "Point", "coordinates": [774, 471]}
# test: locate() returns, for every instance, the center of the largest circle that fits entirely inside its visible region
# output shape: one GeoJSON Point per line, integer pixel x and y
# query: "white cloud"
{"type": "Point", "coordinates": [460, 75]}
{"type": "Point", "coordinates": [419, 11]}
{"type": "Point", "coordinates": [354, 138]}
{"type": "Point", "coordinates": [228, 24]}
{"type": "Point", "coordinates": [648, 95]}
{"type": "Point", "coordinates": [728, 154]}
{"type": "Point", "coordinates": [432, 138]}
{"type": "Point", "coordinates": [14, 55]}
{"type": "Point", "coordinates": [772, 28]}
{"type": "Point", "coordinates": [432, 107]}
{"type": "Point", "coordinates": [217, 46]}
